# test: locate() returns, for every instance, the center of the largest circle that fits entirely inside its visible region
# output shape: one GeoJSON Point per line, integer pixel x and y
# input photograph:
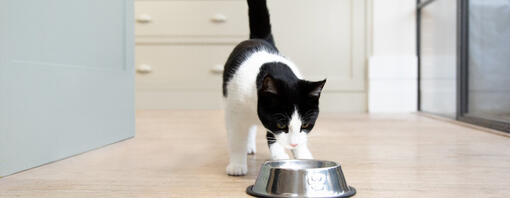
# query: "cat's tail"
{"type": "Point", "coordinates": [260, 25]}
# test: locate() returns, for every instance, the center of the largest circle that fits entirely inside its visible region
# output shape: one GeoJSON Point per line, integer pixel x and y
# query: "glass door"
{"type": "Point", "coordinates": [464, 60]}
{"type": "Point", "coordinates": [484, 95]}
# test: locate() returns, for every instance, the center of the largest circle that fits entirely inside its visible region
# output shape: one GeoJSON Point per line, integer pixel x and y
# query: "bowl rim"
{"type": "Point", "coordinates": [336, 165]}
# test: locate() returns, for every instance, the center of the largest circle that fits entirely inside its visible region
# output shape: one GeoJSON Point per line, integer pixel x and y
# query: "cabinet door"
{"type": "Point", "coordinates": [180, 76]}
{"type": "Point", "coordinates": [326, 39]}
{"type": "Point", "coordinates": [66, 78]}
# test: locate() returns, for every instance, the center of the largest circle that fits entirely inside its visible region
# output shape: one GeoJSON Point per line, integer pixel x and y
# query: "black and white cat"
{"type": "Point", "coordinates": [262, 86]}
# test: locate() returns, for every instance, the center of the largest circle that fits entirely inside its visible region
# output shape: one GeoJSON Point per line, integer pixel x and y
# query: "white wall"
{"type": "Point", "coordinates": [392, 71]}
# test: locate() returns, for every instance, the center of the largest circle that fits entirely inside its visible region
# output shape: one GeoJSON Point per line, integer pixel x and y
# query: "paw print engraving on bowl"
{"type": "Point", "coordinates": [316, 181]}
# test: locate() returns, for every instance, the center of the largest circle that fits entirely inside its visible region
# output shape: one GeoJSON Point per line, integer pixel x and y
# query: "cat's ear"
{"type": "Point", "coordinates": [268, 85]}
{"type": "Point", "coordinates": [316, 88]}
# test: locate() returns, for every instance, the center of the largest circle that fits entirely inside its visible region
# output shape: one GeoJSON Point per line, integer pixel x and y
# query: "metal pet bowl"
{"type": "Point", "coordinates": [300, 178]}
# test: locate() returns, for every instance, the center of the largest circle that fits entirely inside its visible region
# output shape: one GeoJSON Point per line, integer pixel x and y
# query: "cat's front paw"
{"type": "Point", "coordinates": [234, 169]}
{"type": "Point", "coordinates": [251, 149]}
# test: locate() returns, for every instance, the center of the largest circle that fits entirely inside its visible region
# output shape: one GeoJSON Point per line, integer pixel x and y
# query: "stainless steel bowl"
{"type": "Point", "coordinates": [300, 178]}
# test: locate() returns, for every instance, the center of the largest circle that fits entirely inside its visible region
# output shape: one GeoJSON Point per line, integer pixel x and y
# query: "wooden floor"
{"type": "Point", "coordinates": [183, 154]}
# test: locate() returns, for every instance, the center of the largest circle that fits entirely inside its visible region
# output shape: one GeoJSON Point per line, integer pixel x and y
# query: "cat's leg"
{"type": "Point", "coordinates": [237, 132]}
{"type": "Point", "coordinates": [277, 150]}
{"type": "Point", "coordinates": [302, 152]}
{"type": "Point", "coordinates": [252, 134]}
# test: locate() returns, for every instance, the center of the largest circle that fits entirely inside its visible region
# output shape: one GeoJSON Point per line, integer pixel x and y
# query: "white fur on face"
{"type": "Point", "coordinates": [294, 136]}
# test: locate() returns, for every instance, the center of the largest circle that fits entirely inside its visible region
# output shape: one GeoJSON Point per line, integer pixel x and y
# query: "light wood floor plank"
{"type": "Point", "coordinates": [183, 154]}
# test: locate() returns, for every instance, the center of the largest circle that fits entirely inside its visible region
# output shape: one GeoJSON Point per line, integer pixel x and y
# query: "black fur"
{"type": "Point", "coordinates": [291, 94]}
{"type": "Point", "coordinates": [270, 138]}
{"type": "Point", "coordinates": [239, 54]}
{"type": "Point", "coordinates": [260, 38]}
{"type": "Point", "coordinates": [260, 25]}
{"type": "Point", "coordinates": [279, 91]}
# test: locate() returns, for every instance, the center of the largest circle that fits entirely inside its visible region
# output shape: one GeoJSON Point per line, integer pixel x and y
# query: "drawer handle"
{"type": "Point", "coordinates": [144, 69]}
{"type": "Point", "coordinates": [217, 69]}
{"type": "Point", "coordinates": [144, 18]}
{"type": "Point", "coordinates": [219, 18]}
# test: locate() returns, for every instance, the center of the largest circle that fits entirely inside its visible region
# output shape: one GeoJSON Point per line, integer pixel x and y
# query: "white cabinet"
{"type": "Point", "coordinates": [191, 18]}
{"type": "Point", "coordinates": [181, 46]}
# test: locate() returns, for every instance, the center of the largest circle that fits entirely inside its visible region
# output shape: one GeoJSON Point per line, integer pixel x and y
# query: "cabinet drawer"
{"type": "Point", "coordinates": [191, 18]}
{"type": "Point", "coordinates": [180, 67]}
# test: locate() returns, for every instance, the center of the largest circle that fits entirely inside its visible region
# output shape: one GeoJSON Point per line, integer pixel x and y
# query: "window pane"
{"type": "Point", "coordinates": [438, 58]}
{"type": "Point", "coordinates": [489, 59]}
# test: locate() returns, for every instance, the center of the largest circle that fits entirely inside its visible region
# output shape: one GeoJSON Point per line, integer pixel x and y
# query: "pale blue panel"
{"type": "Point", "coordinates": [66, 78]}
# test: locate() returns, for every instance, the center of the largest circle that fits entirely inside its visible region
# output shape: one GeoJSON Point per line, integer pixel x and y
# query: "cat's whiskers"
{"type": "Point", "coordinates": [272, 133]}
{"type": "Point", "coordinates": [272, 138]}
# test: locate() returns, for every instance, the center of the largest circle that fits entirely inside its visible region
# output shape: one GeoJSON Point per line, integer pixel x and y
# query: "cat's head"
{"type": "Point", "coordinates": [287, 106]}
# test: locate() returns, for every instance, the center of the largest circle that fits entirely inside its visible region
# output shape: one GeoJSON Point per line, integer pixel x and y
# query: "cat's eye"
{"type": "Point", "coordinates": [305, 125]}
{"type": "Point", "coordinates": [281, 126]}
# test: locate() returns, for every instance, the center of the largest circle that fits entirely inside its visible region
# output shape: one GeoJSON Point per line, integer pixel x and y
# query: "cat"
{"type": "Point", "coordinates": [260, 86]}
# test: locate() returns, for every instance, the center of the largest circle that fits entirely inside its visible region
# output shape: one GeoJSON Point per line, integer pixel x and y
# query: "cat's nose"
{"type": "Point", "coordinates": [293, 145]}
